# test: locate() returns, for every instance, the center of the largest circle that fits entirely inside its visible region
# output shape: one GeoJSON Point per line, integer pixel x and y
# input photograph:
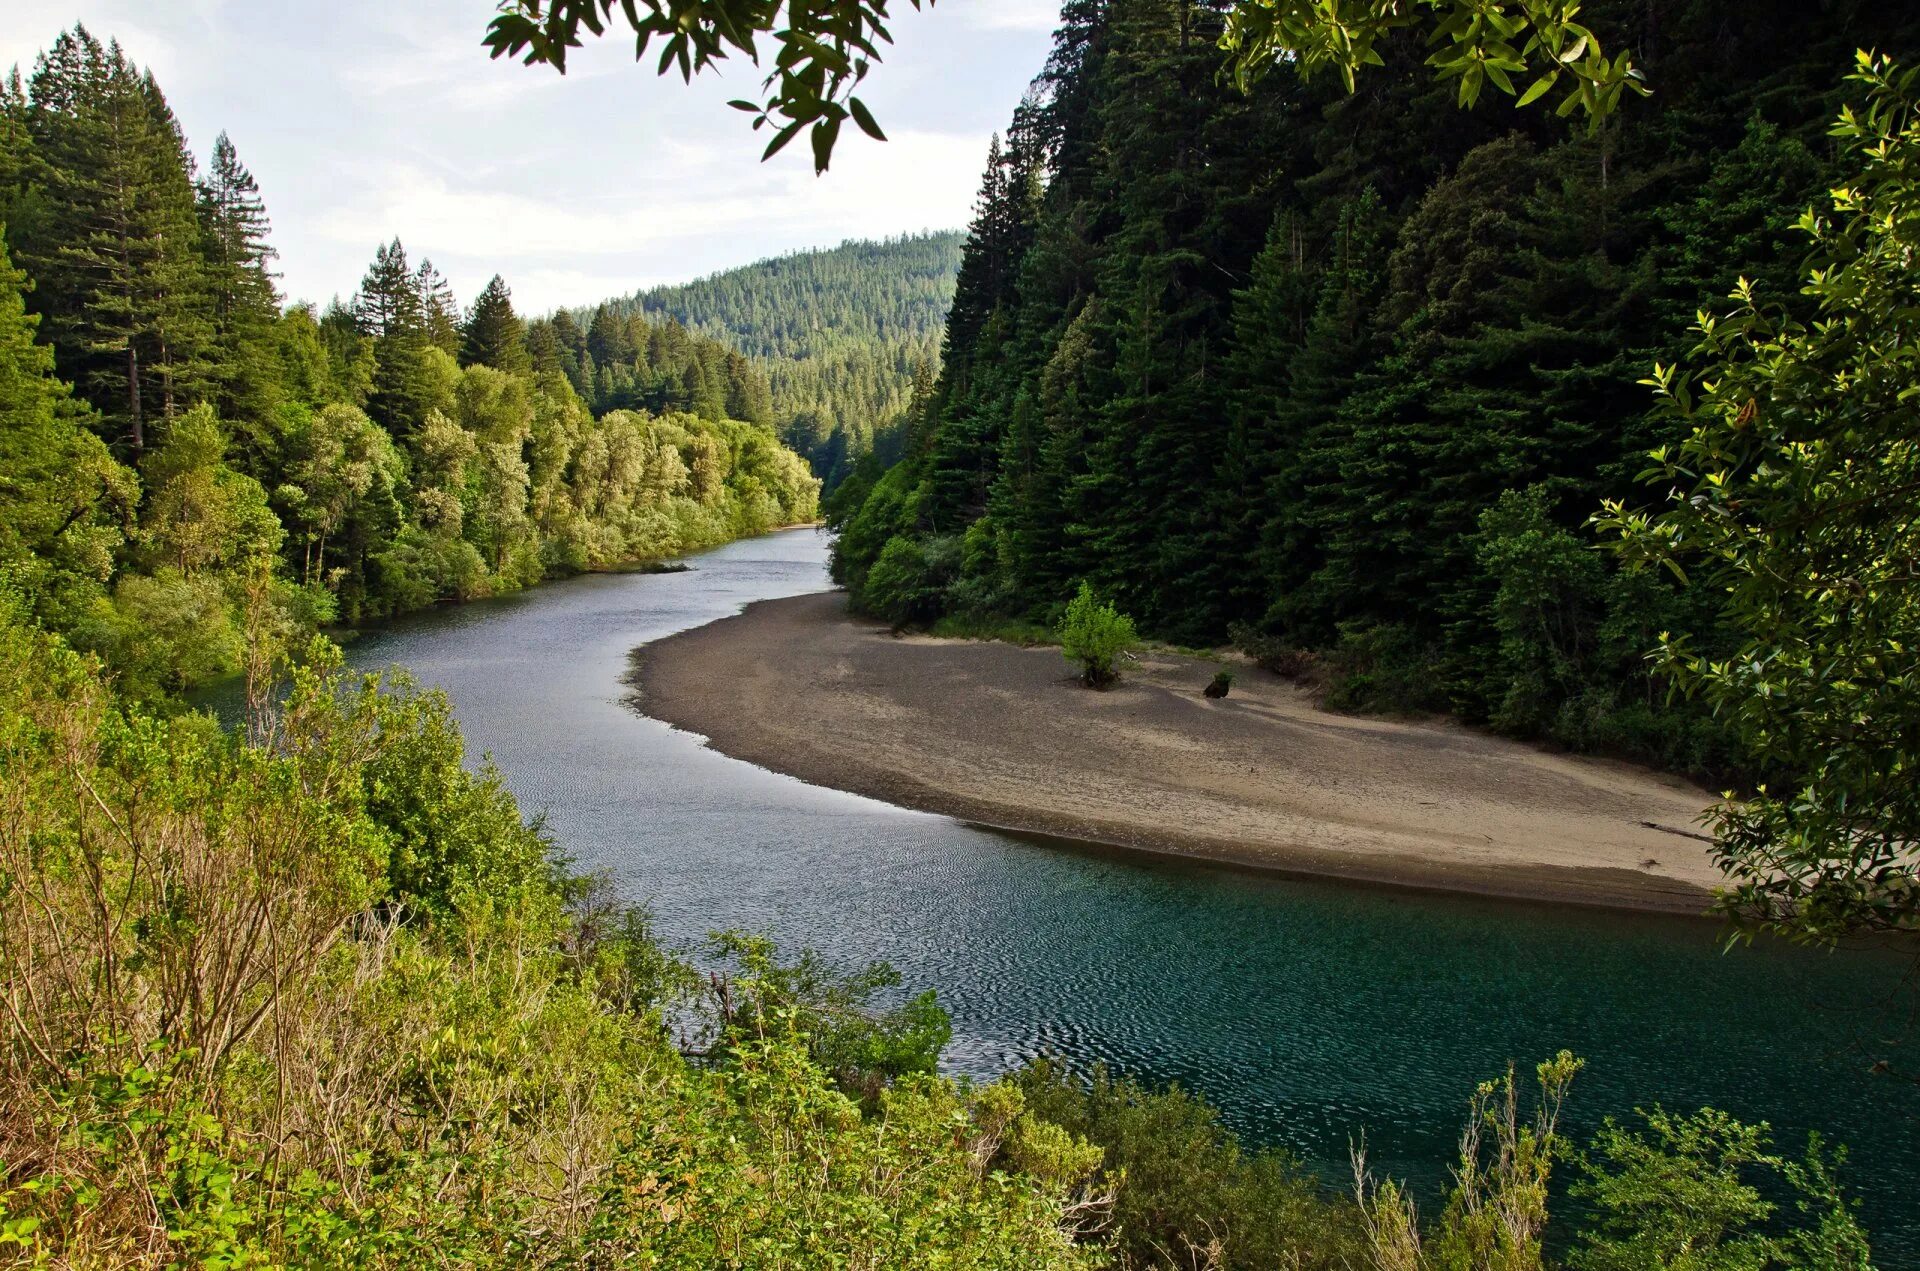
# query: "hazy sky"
{"type": "Point", "coordinates": [366, 119]}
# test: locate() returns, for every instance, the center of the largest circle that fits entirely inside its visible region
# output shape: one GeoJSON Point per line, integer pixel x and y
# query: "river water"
{"type": "Point", "coordinates": [1308, 1012]}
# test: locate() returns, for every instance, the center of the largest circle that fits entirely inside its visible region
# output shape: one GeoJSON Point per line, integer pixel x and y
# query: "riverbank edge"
{"type": "Point", "coordinates": [737, 734]}
{"type": "Point", "coordinates": [677, 563]}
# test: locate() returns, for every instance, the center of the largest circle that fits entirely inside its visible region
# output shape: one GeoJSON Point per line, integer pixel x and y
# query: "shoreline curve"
{"type": "Point", "coordinates": [1002, 737]}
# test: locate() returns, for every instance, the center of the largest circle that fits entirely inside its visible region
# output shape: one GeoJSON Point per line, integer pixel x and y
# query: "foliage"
{"type": "Point", "coordinates": [1479, 44]}
{"type": "Point", "coordinates": [1790, 499]}
{"type": "Point", "coordinates": [1682, 1193]}
{"type": "Point", "coordinates": [346, 465]}
{"type": "Point", "coordinates": [848, 336]}
{"type": "Point", "coordinates": [1186, 1193]}
{"type": "Point", "coordinates": [1097, 636]}
{"type": "Point", "coordinates": [1496, 1213]}
{"type": "Point", "coordinates": [825, 51]}
{"type": "Point", "coordinates": [860, 1048]}
{"type": "Point", "coordinates": [907, 583]}
{"type": "Point", "coordinates": [65, 504]}
{"type": "Point", "coordinates": [316, 995]}
{"type": "Point", "coordinates": [312, 992]}
{"type": "Point", "coordinates": [1346, 374]}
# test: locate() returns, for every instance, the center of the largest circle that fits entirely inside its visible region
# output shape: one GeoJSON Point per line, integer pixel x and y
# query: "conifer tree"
{"type": "Point", "coordinates": [544, 354]}
{"type": "Point", "coordinates": [116, 249]}
{"type": "Point", "coordinates": [19, 191]}
{"type": "Point", "coordinates": [244, 302]}
{"type": "Point", "coordinates": [388, 310]}
{"type": "Point", "coordinates": [494, 335]}
{"type": "Point", "coordinates": [439, 312]}
{"type": "Point", "coordinates": [1303, 423]}
{"type": "Point", "coordinates": [609, 338]}
{"type": "Point", "coordinates": [64, 502]}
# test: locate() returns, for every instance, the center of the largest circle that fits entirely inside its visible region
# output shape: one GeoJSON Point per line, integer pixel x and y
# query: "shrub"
{"type": "Point", "coordinates": [1386, 668]}
{"type": "Point", "coordinates": [1187, 1188]}
{"type": "Point", "coordinates": [908, 583]}
{"type": "Point", "coordinates": [1688, 1191]}
{"type": "Point", "coordinates": [1273, 653]}
{"type": "Point", "coordinates": [1096, 636]}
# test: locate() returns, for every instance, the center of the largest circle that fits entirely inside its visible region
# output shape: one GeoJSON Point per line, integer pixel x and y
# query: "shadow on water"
{"type": "Point", "coordinates": [1307, 1010]}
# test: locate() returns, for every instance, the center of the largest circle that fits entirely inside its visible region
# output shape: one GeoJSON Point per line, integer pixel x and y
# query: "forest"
{"type": "Point", "coordinates": [849, 337]}
{"type": "Point", "coordinates": [182, 446]}
{"type": "Point", "coordinates": [1341, 378]}
{"type": "Point", "coordinates": [1343, 374]}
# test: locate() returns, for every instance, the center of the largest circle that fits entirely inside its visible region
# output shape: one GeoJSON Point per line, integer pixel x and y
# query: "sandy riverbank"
{"type": "Point", "coordinates": [1002, 735]}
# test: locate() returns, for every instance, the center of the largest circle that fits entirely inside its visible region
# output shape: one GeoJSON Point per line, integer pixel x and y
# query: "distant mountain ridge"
{"type": "Point", "coordinates": [843, 333]}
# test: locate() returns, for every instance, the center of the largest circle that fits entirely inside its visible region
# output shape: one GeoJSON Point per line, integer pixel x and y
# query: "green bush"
{"type": "Point", "coordinates": [1386, 668]}
{"type": "Point", "coordinates": [1189, 1189]}
{"type": "Point", "coordinates": [1096, 636]}
{"type": "Point", "coordinates": [909, 582]}
{"type": "Point", "coordinates": [1688, 1191]}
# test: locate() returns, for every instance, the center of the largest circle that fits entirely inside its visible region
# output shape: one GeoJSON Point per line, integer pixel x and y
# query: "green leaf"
{"type": "Point", "coordinates": [825, 133]}
{"type": "Point", "coordinates": [864, 117]}
{"type": "Point", "coordinates": [779, 142]}
{"type": "Point", "coordinates": [1540, 88]}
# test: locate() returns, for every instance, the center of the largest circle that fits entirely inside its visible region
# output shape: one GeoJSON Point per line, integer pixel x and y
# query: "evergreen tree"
{"type": "Point", "coordinates": [1338, 365]}
{"type": "Point", "coordinates": [19, 189]}
{"type": "Point", "coordinates": [439, 312]}
{"type": "Point", "coordinates": [610, 338]}
{"type": "Point", "coordinates": [115, 251]}
{"type": "Point", "coordinates": [494, 335]}
{"type": "Point", "coordinates": [389, 311]}
{"type": "Point", "coordinates": [63, 500]}
{"type": "Point", "coordinates": [245, 305]}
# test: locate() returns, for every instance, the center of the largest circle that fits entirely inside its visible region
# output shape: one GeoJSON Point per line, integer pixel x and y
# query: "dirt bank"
{"type": "Point", "coordinates": [1002, 735]}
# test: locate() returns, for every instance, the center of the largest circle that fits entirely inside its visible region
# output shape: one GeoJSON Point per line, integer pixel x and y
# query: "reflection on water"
{"type": "Point", "coordinates": [1307, 1011]}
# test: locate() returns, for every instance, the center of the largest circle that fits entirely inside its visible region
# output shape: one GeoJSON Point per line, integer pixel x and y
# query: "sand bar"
{"type": "Point", "coordinates": [1004, 736]}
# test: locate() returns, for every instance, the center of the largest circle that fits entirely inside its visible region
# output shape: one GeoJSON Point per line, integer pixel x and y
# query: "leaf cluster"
{"type": "Point", "coordinates": [1791, 495]}
{"type": "Point", "coordinates": [823, 51]}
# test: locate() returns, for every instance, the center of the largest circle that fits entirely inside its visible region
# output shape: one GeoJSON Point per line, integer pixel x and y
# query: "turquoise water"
{"type": "Point", "coordinates": [1308, 1012]}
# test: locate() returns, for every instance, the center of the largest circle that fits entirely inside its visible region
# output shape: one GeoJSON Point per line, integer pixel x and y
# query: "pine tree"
{"type": "Point", "coordinates": [494, 335]}
{"type": "Point", "coordinates": [245, 304]}
{"type": "Point", "coordinates": [610, 338]}
{"type": "Point", "coordinates": [19, 187]}
{"type": "Point", "coordinates": [116, 248]}
{"type": "Point", "coordinates": [1294, 405]}
{"type": "Point", "coordinates": [63, 500]}
{"type": "Point", "coordinates": [388, 310]}
{"type": "Point", "coordinates": [439, 312]}
{"type": "Point", "coordinates": [544, 355]}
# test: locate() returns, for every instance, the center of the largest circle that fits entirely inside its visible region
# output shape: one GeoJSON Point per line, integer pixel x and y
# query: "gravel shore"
{"type": "Point", "coordinates": [1004, 736]}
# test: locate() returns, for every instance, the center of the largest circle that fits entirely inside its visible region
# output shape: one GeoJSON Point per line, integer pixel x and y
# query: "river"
{"type": "Point", "coordinates": [1308, 1012]}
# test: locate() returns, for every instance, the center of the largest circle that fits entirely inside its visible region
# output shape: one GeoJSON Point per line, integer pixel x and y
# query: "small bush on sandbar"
{"type": "Point", "coordinates": [1096, 636]}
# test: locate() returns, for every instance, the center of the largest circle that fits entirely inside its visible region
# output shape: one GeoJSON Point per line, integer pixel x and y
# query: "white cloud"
{"type": "Point", "coordinates": [1006, 15]}
{"type": "Point", "coordinates": [370, 119]}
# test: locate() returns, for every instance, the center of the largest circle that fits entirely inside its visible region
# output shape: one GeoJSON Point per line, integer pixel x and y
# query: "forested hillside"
{"type": "Point", "coordinates": [183, 455]}
{"type": "Point", "coordinates": [1344, 376]}
{"type": "Point", "coordinates": [846, 336]}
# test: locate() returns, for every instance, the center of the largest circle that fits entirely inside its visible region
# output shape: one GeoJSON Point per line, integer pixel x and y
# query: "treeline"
{"type": "Point", "coordinates": [621, 361]}
{"type": "Point", "coordinates": [849, 337]}
{"type": "Point", "coordinates": [178, 442]}
{"type": "Point", "coordinates": [1343, 376]}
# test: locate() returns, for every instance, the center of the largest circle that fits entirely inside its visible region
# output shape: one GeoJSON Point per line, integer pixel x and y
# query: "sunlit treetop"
{"type": "Point", "coordinates": [1524, 48]}
{"type": "Point", "coordinates": [822, 50]}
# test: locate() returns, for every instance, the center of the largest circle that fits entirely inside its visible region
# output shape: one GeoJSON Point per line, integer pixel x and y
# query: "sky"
{"type": "Point", "coordinates": [368, 119]}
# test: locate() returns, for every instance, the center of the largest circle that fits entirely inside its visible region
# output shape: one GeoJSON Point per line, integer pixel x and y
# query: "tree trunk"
{"type": "Point", "coordinates": [133, 398]}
